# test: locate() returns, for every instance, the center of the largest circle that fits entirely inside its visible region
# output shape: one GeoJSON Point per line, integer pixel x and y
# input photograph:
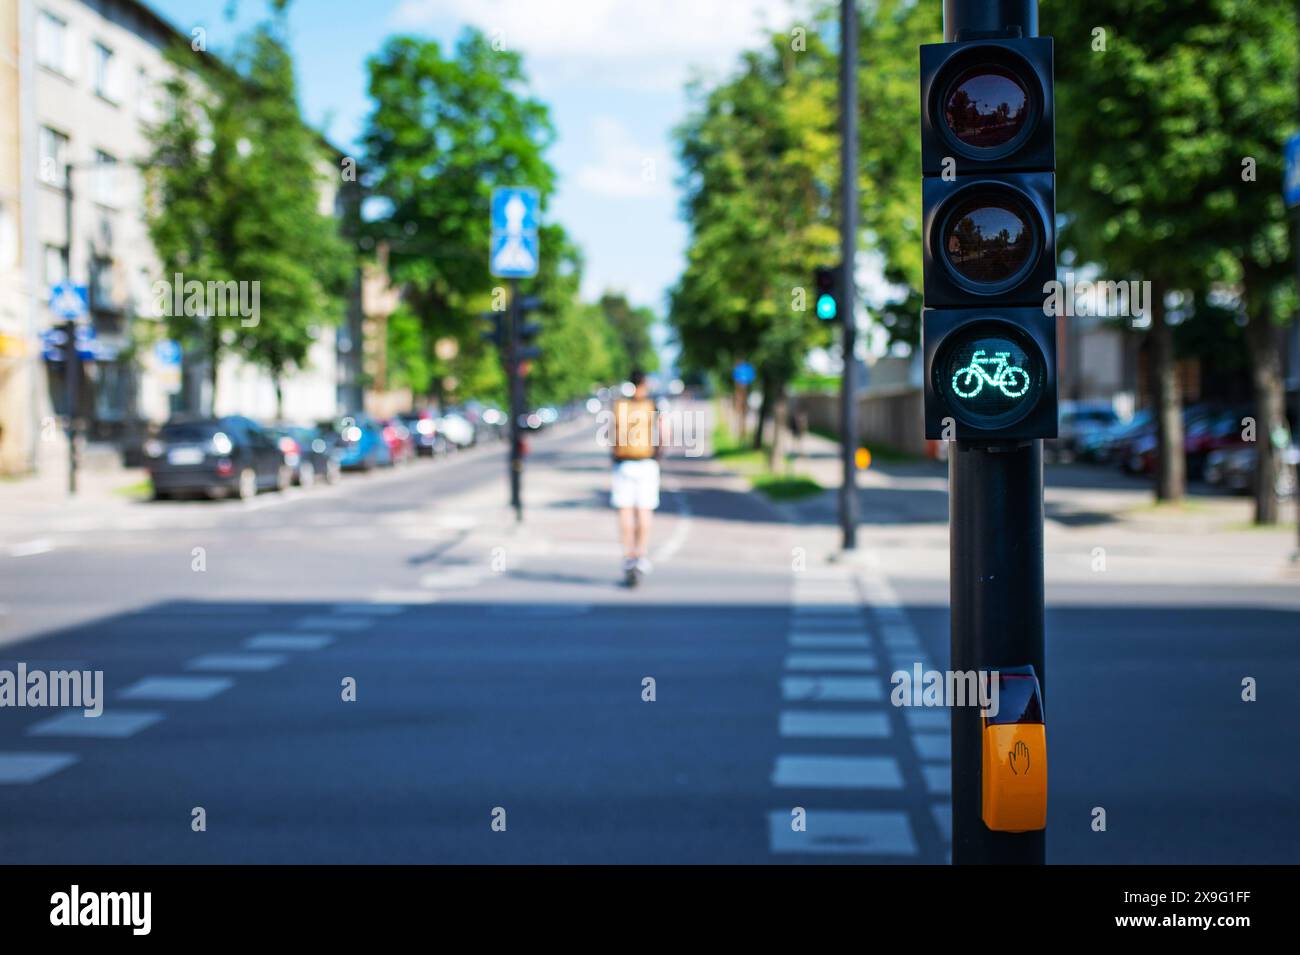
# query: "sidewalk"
{"type": "Point", "coordinates": [1096, 522]}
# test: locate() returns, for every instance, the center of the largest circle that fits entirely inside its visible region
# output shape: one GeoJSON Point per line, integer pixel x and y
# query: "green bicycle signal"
{"type": "Point", "coordinates": [1011, 380]}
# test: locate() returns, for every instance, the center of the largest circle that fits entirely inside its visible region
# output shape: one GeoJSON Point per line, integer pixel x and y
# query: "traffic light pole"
{"type": "Point", "coordinates": [996, 554]}
{"type": "Point", "coordinates": [848, 253]}
{"type": "Point", "coordinates": [514, 382]}
{"type": "Point", "coordinates": [71, 364]}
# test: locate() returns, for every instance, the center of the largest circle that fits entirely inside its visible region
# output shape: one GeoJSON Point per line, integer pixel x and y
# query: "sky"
{"type": "Point", "coordinates": [612, 71]}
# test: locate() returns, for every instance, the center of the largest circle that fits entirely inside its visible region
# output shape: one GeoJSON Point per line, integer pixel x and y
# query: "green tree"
{"type": "Point", "coordinates": [235, 180]}
{"type": "Point", "coordinates": [759, 155]}
{"type": "Point", "coordinates": [444, 130]}
{"type": "Point", "coordinates": [628, 333]}
{"type": "Point", "coordinates": [1156, 116]}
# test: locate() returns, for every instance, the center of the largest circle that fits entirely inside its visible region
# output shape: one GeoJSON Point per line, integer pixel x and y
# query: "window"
{"type": "Point", "coordinates": [105, 73]}
{"type": "Point", "coordinates": [55, 268]}
{"type": "Point", "coordinates": [105, 178]}
{"type": "Point", "coordinates": [52, 47]}
{"type": "Point", "coordinates": [101, 281]}
{"type": "Point", "coordinates": [54, 157]}
{"type": "Point", "coordinates": [146, 104]}
{"type": "Point", "coordinates": [8, 239]}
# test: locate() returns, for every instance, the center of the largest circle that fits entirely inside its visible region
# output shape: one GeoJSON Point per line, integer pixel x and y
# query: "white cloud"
{"type": "Point", "coordinates": [621, 168]}
{"type": "Point", "coordinates": [629, 44]}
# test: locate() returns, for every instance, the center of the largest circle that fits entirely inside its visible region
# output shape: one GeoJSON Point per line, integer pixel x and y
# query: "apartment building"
{"type": "Point", "coordinates": [81, 82]}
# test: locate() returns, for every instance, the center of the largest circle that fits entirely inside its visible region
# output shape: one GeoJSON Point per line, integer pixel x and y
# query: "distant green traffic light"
{"type": "Point", "coordinates": [826, 307]}
{"type": "Point", "coordinates": [825, 278]}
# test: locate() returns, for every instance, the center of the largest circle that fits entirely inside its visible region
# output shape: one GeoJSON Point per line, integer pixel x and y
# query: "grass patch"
{"type": "Point", "coordinates": [751, 463]}
{"type": "Point", "coordinates": [138, 489]}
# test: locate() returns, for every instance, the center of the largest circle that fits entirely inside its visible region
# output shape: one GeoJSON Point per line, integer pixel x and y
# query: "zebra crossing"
{"type": "Point", "coordinates": [863, 780]}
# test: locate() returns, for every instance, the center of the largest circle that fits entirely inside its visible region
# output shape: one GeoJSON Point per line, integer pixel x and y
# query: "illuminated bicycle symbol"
{"type": "Point", "coordinates": [1008, 379]}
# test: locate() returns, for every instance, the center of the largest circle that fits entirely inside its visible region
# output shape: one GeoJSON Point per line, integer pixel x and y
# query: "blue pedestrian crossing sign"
{"type": "Point", "coordinates": [743, 374]}
{"type": "Point", "coordinates": [515, 247]}
{"type": "Point", "coordinates": [1291, 179]}
{"type": "Point", "coordinates": [69, 302]}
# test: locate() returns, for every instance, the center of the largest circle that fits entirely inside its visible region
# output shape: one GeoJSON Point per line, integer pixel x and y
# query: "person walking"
{"type": "Point", "coordinates": [639, 435]}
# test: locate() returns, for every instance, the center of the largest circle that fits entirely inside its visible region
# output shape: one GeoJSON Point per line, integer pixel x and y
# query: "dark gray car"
{"type": "Point", "coordinates": [219, 457]}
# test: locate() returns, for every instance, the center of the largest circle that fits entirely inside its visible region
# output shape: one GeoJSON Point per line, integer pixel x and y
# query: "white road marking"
{"type": "Point", "coordinates": [853, 724]}
{"type": "Point", "coordinates": [832, 832]}
{"type": "Point", "coordinates": [830, 662]}
{"type": "Point", "coordinates": [237, 662]}
{"type": "Point", "coordinates": [926, 719]}
{"type": "Point", "coordinates": [837, 772]}
{"type": "Point", "coordinates": [111, 724]}
{"type": "Point", "coordinates": [836, 688]}
{"type": "Point", "coordinates": [31, 548]}
{"type": "Point", "coordinates": [288, 641]}
{"type": "Point", "coordinates": [333, 623]}
{"type": "Point", "coordinates": [665, 551]}
{"type": "Point", "coordinates": [176, 688]}
{"type": "Point", "coordinates": [18, 768]}
{"type": "Point", "coordinates": [828, 641]}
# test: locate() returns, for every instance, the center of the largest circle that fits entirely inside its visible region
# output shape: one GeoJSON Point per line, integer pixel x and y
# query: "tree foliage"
{"type": "Point", "coordinates": [235, 180]}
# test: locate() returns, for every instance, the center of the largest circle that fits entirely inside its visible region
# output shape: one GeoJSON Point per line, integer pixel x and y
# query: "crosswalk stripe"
{"type": "Point", "coordinates": [837, 772]}
{"type": "Point", "coordinates": [856, 724]}
{"type": "Point", "coordinates": [17, 768]}
{"type": "Point", "coordinates": [238, 662]}
{"type": "Point", "coordinates": [333, 623]}
{"type": "Point", "coordinates": [829, 640]}
{"type": "Point", "coordinates": [830, 662]}
{"type": "Point", "coordinates": [288, 641]}
{"type": "Point", "coordinates": [110, 724]}
{"type": "Point", "coordinates": [176, 688]}
{"type": "Point", "coordinates": [834, 832]}
{"type": "Point", "coordinates": [836, 688]}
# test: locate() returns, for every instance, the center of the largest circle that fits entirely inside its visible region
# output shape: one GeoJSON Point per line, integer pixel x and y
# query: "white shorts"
{"type": "Point", "coordinates": [635, 484]}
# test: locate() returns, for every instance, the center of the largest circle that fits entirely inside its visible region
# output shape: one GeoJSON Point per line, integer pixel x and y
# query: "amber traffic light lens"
{"type": "Point", "coordinates": [988, 240]}
{"type": "Point", "coordinates": [987, 107]}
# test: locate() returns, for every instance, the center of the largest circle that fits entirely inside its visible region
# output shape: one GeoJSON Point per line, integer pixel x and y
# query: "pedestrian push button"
{"type": "Point", "coordinates": [1014, 761]}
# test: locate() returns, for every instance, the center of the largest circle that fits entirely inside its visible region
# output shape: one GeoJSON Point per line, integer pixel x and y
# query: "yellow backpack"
{"type": "Point", "coordinates": [634, 429]}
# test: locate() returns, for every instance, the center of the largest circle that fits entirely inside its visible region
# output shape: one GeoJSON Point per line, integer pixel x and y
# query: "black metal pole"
{"type": "Point", "coordinates": [996, 553]}
{"type": "Point", "coordinates": [71, 365]}
{"type": "Point", "coordinates": [513, 382]}
{"type": "Point", "coordinates": [848, 252]}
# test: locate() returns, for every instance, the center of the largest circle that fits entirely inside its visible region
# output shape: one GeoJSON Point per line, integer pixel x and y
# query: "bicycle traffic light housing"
{"type": "Point", "coordinates": [988, 197]}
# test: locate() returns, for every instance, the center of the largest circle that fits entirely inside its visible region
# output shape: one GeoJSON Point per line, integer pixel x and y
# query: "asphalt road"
{"type": "Point", "coordinates": [501, 677]}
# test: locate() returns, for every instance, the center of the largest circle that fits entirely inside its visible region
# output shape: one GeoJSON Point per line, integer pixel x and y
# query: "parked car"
{"type": "Point", "coordinates": [1234, 469]}
{"type": "Point", "coordinates": [311, 454]}
{"type": "Point", "coordinates": [1213, 431]}
{"type": "Point", "coordinates": [1105, 445]}
{"type": "Point", "coordinates": [1077, 421]}
{"type": "Point", "coordinates": [219, 457]}
{"type": "Point", "coordinates": [460, 432]}
{"type": "Point", "coordinates": [360, 441]}
{"type": "Point", "coordinates": [401, 443]}
{"type": "Point", "coordinates": [423, 426]}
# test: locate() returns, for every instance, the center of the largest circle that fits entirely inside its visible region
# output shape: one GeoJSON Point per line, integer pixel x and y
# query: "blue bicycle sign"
{"type": "Point", "coordinates": [1011, 380]}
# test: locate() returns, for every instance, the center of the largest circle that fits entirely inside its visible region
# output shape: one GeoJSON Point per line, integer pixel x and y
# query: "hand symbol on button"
{"type": "Point", "coordinates": [1019, 754]}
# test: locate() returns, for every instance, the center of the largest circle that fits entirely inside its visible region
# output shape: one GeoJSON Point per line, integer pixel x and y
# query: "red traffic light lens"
{"type": "Point", "coordinates": [988, 240]}
{"type": "Point", "coordinates": [986, 107]}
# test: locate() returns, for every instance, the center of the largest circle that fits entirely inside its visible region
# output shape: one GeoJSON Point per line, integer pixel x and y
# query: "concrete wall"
{"type": "Point", "coordinates": [891, 418]}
